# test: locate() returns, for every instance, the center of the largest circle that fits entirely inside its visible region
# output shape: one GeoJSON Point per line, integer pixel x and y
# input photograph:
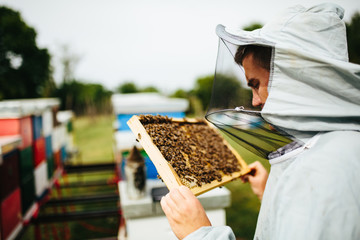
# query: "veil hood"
{"type": "Point", "coordinates": [312, 86]}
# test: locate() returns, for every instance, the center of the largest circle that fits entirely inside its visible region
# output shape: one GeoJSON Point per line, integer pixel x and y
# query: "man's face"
{"type": "Point", "coordinates": [258, 79]}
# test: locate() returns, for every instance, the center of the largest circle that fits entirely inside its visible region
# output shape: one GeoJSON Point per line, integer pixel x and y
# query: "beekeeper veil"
{"type": "Point", "coordinates": [312, 87]}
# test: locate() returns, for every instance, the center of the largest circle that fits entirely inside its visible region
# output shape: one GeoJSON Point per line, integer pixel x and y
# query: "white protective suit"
{"type": "Point", "coordinates": [312, 192]}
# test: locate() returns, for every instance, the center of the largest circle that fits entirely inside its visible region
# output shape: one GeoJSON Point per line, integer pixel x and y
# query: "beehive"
{"type": "Point", "coordinates": [187, 152]}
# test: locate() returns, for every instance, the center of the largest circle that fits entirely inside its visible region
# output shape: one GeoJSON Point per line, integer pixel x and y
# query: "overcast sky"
{"type": "Point", "coordinates": [163, 43]}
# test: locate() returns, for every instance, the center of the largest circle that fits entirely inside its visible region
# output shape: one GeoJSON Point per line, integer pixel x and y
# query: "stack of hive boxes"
{"type": "Point", "coordinates": [63, 143]}
{"type": "Point", "coordinates": [15, 119]}
{"type": "Point", "coordinates": [39, 152]}
{"type": "Point", "coordinates": [10, 210]}
{"type": "Point", "coordinates": [43, 113]}
{"type": "Point", "coordinates": [32, 160]}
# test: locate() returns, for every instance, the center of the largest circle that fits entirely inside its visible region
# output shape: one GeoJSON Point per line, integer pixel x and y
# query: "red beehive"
{"type": "Point", "coordinates": [18, 126]}
{"type": "Point", "coordinates": [39, 151]}
{"type": "Point", "coordinates": [10, 213]}
{"type": "Point", "coordinates": [9, 173]}
{"type": "Point", "coordinates": [9, 165]}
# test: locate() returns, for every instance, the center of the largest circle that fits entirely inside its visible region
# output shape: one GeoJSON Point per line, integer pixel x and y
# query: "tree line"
{"type": "Point", "coordinates": [26, 72]}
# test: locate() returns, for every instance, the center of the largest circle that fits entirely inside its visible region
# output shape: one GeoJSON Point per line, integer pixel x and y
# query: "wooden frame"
{"type": "Point", "coordinates": [166, 171]}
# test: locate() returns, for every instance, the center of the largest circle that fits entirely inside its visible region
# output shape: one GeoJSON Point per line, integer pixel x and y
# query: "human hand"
{"type": "Point", "coordinates": [257, 178]}
{"type": "Point", "coordinates": [184, 211]}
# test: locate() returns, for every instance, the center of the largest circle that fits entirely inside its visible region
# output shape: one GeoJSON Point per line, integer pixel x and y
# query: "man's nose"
{"type": "Point", "coordinates": [256, 99]}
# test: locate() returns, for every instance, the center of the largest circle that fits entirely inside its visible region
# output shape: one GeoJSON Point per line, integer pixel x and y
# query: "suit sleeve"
{"type": "Point", "coordinates": [212, 233]}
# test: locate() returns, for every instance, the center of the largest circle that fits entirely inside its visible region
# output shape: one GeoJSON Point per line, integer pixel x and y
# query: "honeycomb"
{"type": "Point", "coordinates": [195, 151]}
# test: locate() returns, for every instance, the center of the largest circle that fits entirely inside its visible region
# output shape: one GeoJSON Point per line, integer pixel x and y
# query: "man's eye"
{"type": "Point", "coordinates": [253, 84]}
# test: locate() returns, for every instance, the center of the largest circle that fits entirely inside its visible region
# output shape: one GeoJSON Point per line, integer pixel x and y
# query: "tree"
{"type": "Point", "coordinates": [225, 89]}
{"type": "Point", "coordinates": [180, 93]}
{"type": "Point", "coordinates": [203, 88]}
{"type": "Point", "coordinates": [128, 87]}
{"type": "Point", "coordinates": [353, 38]}
{"type": "Point", "coordinates": [84, 98]}
{"type": "Point", "coordinates": [149, 89]}
{"type": "Point", "coordinates": [195, 108]}
{"type": "Point", "coordinates": [224, 92]}
{"type": "Point", "coordinates": [24, 68]}
{"type": "Point", "coordinates": [69, 61]}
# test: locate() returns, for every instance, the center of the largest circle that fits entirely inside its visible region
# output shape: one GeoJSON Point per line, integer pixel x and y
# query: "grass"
{"type": "Point", "coordinates": [242, 215]}
{"type": "Point", "coordinates": [94, 138]}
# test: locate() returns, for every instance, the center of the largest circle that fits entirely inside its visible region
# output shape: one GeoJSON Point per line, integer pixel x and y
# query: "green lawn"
{"type": "Point", "coordinates": [241, 216]}
{"type": "Point", "coordinates": [94, 138]}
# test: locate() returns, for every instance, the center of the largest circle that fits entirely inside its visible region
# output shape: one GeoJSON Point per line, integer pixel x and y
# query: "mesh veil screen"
{"type": "Point", "coordinates": [231, 111]}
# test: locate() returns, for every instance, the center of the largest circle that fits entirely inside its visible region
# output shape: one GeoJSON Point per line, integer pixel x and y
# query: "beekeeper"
{"type": "Point", "coordinates": [310, 94]}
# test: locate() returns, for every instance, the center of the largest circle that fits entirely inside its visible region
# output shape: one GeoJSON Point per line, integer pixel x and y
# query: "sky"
{"type": "Point", "coordinates": [167, 44]}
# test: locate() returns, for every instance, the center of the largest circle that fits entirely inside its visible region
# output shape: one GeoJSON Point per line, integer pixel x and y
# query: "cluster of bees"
{"type": "Point", "coordinates": [194, 150]}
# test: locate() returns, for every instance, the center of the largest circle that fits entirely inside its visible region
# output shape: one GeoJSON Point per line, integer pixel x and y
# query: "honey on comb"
{"type": "Point", "coordinates": [194, 150]}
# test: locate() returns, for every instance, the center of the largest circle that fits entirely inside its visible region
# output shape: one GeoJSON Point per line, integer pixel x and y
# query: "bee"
{"type": "Point", "coordinates": [195, 152]}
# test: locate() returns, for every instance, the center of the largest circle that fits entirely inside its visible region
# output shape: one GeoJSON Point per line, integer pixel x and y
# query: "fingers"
{"type": "Point", "coordinates": [184, 211]}
{"type": "Point", "coordinates": [256, 169]}
{"type": "Point", "coordinates": [171, 201]}
{"type": "Point", "coordinates": [186, 192]}
{"type": "Point", "coordinates": [178, 199]}
{"type": "Point", "coordinates": [180, 194]}
{"type": "Point", "coordinates": [165, 207]}
{"type": "Point", "coordinates": [258, 179]}
{"type": "Point", "coordinates": [255, 165]}
{"type": "Point", "coordinates": [244, 178]}
{"type": "Point", "coordinates": [176, 195]}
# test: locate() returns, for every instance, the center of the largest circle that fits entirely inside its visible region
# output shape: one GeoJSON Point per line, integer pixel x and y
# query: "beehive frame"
{"type": "Point", "coordinates": [166, 171]}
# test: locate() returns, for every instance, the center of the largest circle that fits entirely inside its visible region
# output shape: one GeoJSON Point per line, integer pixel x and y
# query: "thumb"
{"type": "Point", "coordinates": [244, 178]}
